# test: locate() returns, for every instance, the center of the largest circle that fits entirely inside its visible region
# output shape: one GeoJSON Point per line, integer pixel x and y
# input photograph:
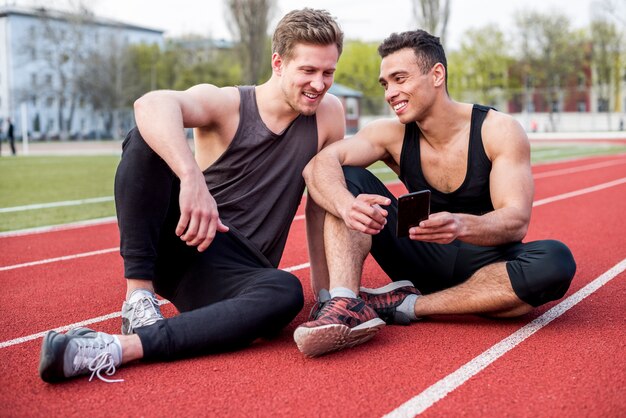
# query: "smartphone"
{"type": "Point", "coordinates": [412, 209]}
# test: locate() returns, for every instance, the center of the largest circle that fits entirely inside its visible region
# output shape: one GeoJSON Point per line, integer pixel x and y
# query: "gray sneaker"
{"type": "Point", "coordinates": [141, 312]}
{"type": "Point", "coordinates": [79, 352]}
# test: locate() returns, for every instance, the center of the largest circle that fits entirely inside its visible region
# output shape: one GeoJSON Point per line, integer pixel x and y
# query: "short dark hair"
{"type": "Point", "coordinates": [427, 48]}
{"type": "Point", "coordinates": [307, 26]}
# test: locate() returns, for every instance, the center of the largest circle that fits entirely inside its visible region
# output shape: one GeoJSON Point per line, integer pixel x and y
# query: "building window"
{"type": "Point", "coordinates": [581, 106]}
{"type": "Point", "coordinates": [49, 79]}
{"type": "Point", "coordinates": [49, 102]}
{"type": "Point", "coordinates": [555, 106]}
{"type": "Point", "coordinates": [603, 105]}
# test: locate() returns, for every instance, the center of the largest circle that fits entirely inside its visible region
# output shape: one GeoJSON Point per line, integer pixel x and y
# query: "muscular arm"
{"type": "Point", "coordinates": [511, 187]}
{"type": "Point", "coordinates": [331, 128]}
{"type": "Point", "coordinates": [327, 185]}
{"type": "Point", "coordinates": [161, 118]}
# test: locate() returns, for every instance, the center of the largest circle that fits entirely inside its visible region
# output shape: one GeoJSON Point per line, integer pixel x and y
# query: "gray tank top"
{"type": "Point", "coordinates": [257, 183]}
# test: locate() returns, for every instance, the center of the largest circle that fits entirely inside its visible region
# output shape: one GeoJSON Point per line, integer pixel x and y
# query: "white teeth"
{"type": "Point", "coordinates": [399, 106]}
{"type": "Point", "coordinates": [311, 96]}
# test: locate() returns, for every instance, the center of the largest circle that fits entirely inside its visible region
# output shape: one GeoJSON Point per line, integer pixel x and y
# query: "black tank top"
{"type": "Point", "coordinates": [473, 195]}
{"type": "Point", "coordinates": [257, 183]}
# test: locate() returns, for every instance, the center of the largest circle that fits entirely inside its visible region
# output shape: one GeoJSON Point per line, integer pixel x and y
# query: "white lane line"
{"type": "Point", "coordinates": [61, 227]}
{"type": "Point", "coordinates": [80, 224]}
{"type": "Point", "coordinates": [580, 192]}
{"type": "Point", "coordinates": [535, 203]}
{"type": "Point", "coordinates": [63, 258]}
{"type": "Point", "coordinates": [56, 204]}
{"type": "Point", "coordinates": [102, 318]}
{"type": "Point", "coordinates": [443, 387]}
{"type": "Point", "coordinates": [585, 167]}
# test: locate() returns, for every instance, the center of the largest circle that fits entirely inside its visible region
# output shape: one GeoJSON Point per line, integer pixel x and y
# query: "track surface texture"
{"type": "Point", "coordinates": [565, 359]}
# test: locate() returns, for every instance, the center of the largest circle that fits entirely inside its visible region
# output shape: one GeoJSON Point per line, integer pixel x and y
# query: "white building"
{"type": "Point", "coordinates": [43, 53]}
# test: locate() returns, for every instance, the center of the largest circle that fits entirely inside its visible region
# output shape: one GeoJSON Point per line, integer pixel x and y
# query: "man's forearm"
{"type": "Point", "coordinates": [499, 227]}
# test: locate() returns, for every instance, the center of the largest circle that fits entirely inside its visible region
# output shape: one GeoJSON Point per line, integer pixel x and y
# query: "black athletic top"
{"type": "Point", "coordinates": [257, 183]}
{"type": "Point", "coordinates": [473, 195]}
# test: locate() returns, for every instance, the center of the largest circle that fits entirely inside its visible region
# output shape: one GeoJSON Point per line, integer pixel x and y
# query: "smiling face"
{"type": "Point", "coordinates": [307, 75]}
{"type": "Point", "coordinates": [409, 92]}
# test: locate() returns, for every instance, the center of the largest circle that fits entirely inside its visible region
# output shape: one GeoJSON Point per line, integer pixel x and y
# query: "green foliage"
{"type": "Point", "coordinates": [358, 68]}
{"type": "Point", "coordinates": [480, 67]}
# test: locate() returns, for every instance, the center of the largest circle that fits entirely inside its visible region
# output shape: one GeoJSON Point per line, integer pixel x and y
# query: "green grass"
{"type": "Point", "coordinates": [33, 180]}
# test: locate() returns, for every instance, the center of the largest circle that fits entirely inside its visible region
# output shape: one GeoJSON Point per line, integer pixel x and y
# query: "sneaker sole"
{"type": "Point", "coordinates": [51, 357]}
{"type": "Point", "coordinates": [313, 342]}
{"type": "Point", "coordinates": [388, 288]}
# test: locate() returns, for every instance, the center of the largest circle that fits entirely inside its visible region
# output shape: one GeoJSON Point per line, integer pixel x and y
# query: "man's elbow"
{"type": "Point", "coordinates": [307, 173]}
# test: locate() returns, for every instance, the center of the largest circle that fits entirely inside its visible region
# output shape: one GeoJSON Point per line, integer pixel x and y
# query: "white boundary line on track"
{"type": "Point", "coordinates": [102, 318]}
{"type": "Point", "coordinates": [56, 204]}
{"type": "Point", "coordinates": [53, 260]}
{"type": "Point", "coordinates": [443, 387]}
{"type": "Point", "coordinates": [293, 268]}
{"type": "Point", "coordinates": [535, 204]}
{"type": "Point", "coordinates": [552, 173]}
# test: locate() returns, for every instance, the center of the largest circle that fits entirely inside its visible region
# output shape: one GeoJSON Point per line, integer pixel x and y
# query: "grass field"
{"type": "Point", "coordinates": [48, 179]}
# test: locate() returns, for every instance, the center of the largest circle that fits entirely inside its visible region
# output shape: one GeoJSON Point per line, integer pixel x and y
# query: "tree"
{"type": "Point", "coordinates": [61, 56]}
{"type": "Point", "coordinates": [248, 21]}
{"type": "Point", "coordinates": [479, 69]}
{"type": "Point", "coordinates": [606, 58]}
{"type": "Point", "coordinates": [432, 16]}
{"type": "Point", "coordinates": [358, 69]}
{"type": "Point", "coordinates": [552, 56]}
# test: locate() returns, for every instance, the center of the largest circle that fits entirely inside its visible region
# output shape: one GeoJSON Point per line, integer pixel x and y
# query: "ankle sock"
{"type": "Point", "coordinates": [407, 307]}
{"type": "Point", "coordinates": [342, 292]}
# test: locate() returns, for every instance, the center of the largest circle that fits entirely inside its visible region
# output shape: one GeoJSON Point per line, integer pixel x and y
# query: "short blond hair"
{"type": "Point", "coordinates": [306, 26]}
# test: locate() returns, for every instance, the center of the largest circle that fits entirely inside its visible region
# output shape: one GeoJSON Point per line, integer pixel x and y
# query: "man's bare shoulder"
{"type": "Point", "coordinates": [330, 107]}
{"type": "Point", "coordinates": [384, 130]}
{"type": "Point", "coordinates": [502, 132]}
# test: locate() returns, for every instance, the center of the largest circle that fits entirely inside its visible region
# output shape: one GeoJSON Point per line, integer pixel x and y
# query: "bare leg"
{"type": "Point", "coordinates": [345, 253]}
{"type": "Point", "coordinates": [131, 347]}
{"type": "Point", "coordinates": [134, 284]}
{"type": "Point", "coordinates": [488, 292]}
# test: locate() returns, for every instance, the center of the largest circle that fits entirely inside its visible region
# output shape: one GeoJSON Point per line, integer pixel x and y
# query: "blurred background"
{"type": "Point", "coordinates": [70, 70]}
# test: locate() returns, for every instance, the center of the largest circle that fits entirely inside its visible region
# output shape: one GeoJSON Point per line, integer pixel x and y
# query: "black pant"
{"type": "Point", "coordinates": [229, 295]}
{"type": "Point", "coordinates": [540, 271]}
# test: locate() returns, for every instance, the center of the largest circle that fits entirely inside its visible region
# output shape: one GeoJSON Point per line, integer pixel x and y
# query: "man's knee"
{"type": "Point", "coordinates": [543, 273]}
{"type": "Point", "coordinates": [285, 296]}
{"type": "Point", "coordinates": [360, 180]}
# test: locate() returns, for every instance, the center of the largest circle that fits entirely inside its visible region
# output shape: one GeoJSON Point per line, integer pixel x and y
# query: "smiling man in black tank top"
{"type": "Point", "coordinates": [207, 231]}
{"type": "Point", "coordinates": [467, 258]}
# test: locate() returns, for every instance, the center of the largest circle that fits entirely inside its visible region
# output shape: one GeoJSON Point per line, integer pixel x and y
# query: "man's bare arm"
{"type": "Point", "coordinates": [161, 118]}
{"type": "Point", "coordinates": [512, 192]}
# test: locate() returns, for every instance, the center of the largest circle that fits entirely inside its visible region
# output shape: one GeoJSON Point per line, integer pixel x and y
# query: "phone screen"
{"type": "Point", "coordinates": [412, 209]}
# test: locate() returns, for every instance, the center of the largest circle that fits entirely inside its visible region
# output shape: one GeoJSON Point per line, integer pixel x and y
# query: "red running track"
{"type": "Point", "coordinates": [566, 359]}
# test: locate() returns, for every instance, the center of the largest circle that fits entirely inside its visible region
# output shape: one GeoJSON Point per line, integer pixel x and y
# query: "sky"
{"type": "Point", "coordinates": [368, 20]}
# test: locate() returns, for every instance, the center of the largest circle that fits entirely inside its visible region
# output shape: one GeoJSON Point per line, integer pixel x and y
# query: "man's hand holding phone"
{"type": "Point", "coordinates": [413, 208]}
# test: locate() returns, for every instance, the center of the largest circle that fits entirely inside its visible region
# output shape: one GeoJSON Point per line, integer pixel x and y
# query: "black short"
{"type": "Point", "coordinates": [540, 271]}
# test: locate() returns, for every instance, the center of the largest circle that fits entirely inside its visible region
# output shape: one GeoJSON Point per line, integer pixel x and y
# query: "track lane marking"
{"type": "Point", "coordinates": [106, 317]}
{"type": "Point", "coordinates": [55, 259]}
{"type": "Point", "coordinates": [87, 223]}
{"type": "Point", "coordinates": [443, 387]}
{"type": "Point", "coordinates": [535, 204]}
{"type": "Point", "coordinates": [293, 268]}
{"type": "Point", "coordinates": [56, 204]}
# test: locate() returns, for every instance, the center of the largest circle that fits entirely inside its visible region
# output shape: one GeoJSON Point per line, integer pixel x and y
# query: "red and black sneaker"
{"type": "Point", "coordinates": [322, 299]}
{"type": "Point", "coordinates": [384, 300]}
{"type": "Point", "coordinates": [342, 323]}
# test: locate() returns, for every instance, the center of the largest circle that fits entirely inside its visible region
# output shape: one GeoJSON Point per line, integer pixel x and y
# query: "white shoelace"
{"type": "Point", "coordinates": [145, 312]}
{"type": "Point", "coordinates": [103, 362]}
